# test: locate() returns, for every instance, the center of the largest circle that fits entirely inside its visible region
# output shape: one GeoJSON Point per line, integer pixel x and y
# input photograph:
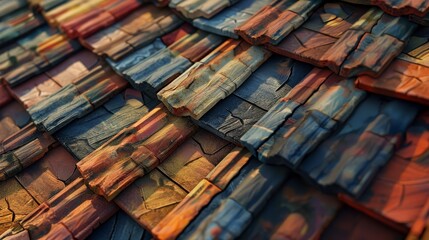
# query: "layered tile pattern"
{"type": "Point", "coordinates": [216, 181]}
{"type": "Point", "coordinates": [277, 20]}
{"type": "Point", "coordinates": [77, 99]}
{"type": "Point", "coordinates": [232, 117]}
{"type": "Point", "coordinates": [398, 8]}
{"type": "Point", "coordinates": [71, 214]}
{"type": "Point", "coordinates": [92, 17]}
{"type": "Point", "coordinates": [134, 152]}
{"type": "Point", "coordinates": [42, 86]}
{"type": "Point", "coordinates": [83, 136]}
{"type": "Point", "coordinates": [213, 78]}
{"type": "Point", "coordinates": [197, 8]}
{"type": "Point", "coordinates": [348, 39]}
{"type": "Point", "coordinates": [301, 120]}
{"type": "Point", "coordinates": [352, 157]}
{"type": "Point", "coordinates": [17, 23]}
{"type": "Point", "coordinates": [406, 77]}
{"type": "Point", "coordinates": [138, 29]}
{"type": "Point", "coordinates": [399, 192]}
{"type": "Point", "coordinates": [155, 72]}
{"type": "Point", "coordinates": [34, 54]}
{"type": "Point", "coordinates": [147, 169]}
{"type": "Point", "coordinates": [149, 199]}
{"type": "Point", "coordinates": [226, 21]}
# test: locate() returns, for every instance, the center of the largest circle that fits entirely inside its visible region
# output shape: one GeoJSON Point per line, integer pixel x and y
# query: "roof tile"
{"type": "Point", "coordinates": [70, 214]}
{"type": "Point", "coordinates": [134, 152]}
{"type": "Point", "coordinates": [351, 158]}
{"type": "Point", "coordinates": [83, 136]}
{"type": "Point", "coordinates": [226, 21]}
{"type": "Point", "coordinates": [400, 190]}
{"type": "Point", "coordinates": [232, 117]}
{"type": "Point", "coordinates": [275, 21]}
{"type": "Point", "coordinates": [128, 34]}
{"type": "Point", "coordinates": [213, 78]}
{"type": "Point", "coordinates": [77, 99]}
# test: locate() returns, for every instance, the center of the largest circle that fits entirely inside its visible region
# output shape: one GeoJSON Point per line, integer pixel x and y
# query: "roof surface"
{"type": "Point", "coordinates": [224, 119]}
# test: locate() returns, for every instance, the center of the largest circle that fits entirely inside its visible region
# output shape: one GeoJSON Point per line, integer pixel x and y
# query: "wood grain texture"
{"type": "Point", "coordinates": [214, 204]}
{"type": "Point", "coordinates": [406, 77]}
{"type": "Point", "coordinates": [99, 17]}
{"type": "Point", "coordinates": [213, 78]}
{"type": "Point", "coordinates": [15, 204]}
{"type": "Point", "coordinates": [18, 23]}
{"type": "Point", "coordinates": [77, 99]}
{"type": "Point", "coordinates": [350, 159]}
{"type": "Point", "coordinates": [4, 95]}
{"type": "Point", "coordinates": [134, 152]}
{"type": "Point", "coordinates": [348, 39]}
{"type": "Point", "coordinates": [400, 191]}
{"type": "Point", "coordinates": [154, 73]}
{"type": "Point", "coordinates": [135, 57]}
{"type": "Point", "coordinates": [83, 136]}
{"type": "Point", "coordinates": [149, 199]}
{"type": "Point", "coordinates": [137, 30]}
{"type": "Point", "coordinates": [49, 52]}
{"type": "Point", "coordinates": [72, 213]}
{"type": "Point", "coordinates": [226, 21]}
{"type": "Point", "coordinates": [232, 117]}
{"type": "Point", "coordinates": [198, 8]}
{"type": "Point", "coordinates": [194, 159]}
{"type": "Point", "coordinates": [357, 226]}
{"type": "Point", "coordinates": [40, 87]}
{"type": "Point", "coordinates": [275, 21]}
{"type": "Point", "coordinates": [186, 168]}
{"type": "Point", "coordinates": [296, 211]}
{"type": "Point", "coordinates": [300, 121]}
{"type": "Point", "coordinates": [22, 149]}
{"type": "Point", "coordinates": [235, 213]}
{"type": "Point", "coordinates": [217, 180]}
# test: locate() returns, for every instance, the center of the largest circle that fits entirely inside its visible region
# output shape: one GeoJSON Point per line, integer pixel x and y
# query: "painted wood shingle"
{"type": "Point", "coordinates": [149, 199]}
{"type": "Point", "coordinates": [137, 30]}
{"type": "Point", "coordinates": [400, 191]}
{"type": "Point", "coordinates": [301, 120]}
{"type": "Point", "coordinates": [199, 8]}
{"type": "Point", "coordinates": [350, 159]}
{"type": "Point", "coordinates": [17, 24]}
{"type": "Point", "coordinates": [406, 77]}
{"type": "Point", "coordinates": [212, 79]}
{"type": "Point", "coordinates": [232, 117]}
{"type": "Point", "coordinates": [10, 6]}
{"type": "Point", "coordinates": [22, 149]}
{"type": "Point", "coordinates": [83, 136]}
{"type": "Point", "coordinates": [275, 21]}
{"type": "Point", "coordinates": [72, 213]}
{"type": "Point", "coordinates": [42, 86]}
{"type": "Point", "coordinates": [350, 40]}
{"type": "Point", "coordinates": [236, 212]}
{"type": "Point", "coordinates": [77, 99]}
{"type": "Point", "coordinates": [134, 152]}
{"type": "Point", "coordinates": [34, 54]}
{"type": "Point", "coordinates": [154, 73]}
{"type": "Point", "coordinates": [216, 181]}
{"type": "Point", "coordinates": [226, 21]}
{"type": "Point", "coordinates": [99, 17]}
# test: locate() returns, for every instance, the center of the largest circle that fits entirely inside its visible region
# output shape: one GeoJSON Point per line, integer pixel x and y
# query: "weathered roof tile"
{"type": "Point", "coordinates": [134, 152]}
{"type": "Point", "coordinates": [275, 21]}
{"type": "Point", "coordinates": [213, 78]}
